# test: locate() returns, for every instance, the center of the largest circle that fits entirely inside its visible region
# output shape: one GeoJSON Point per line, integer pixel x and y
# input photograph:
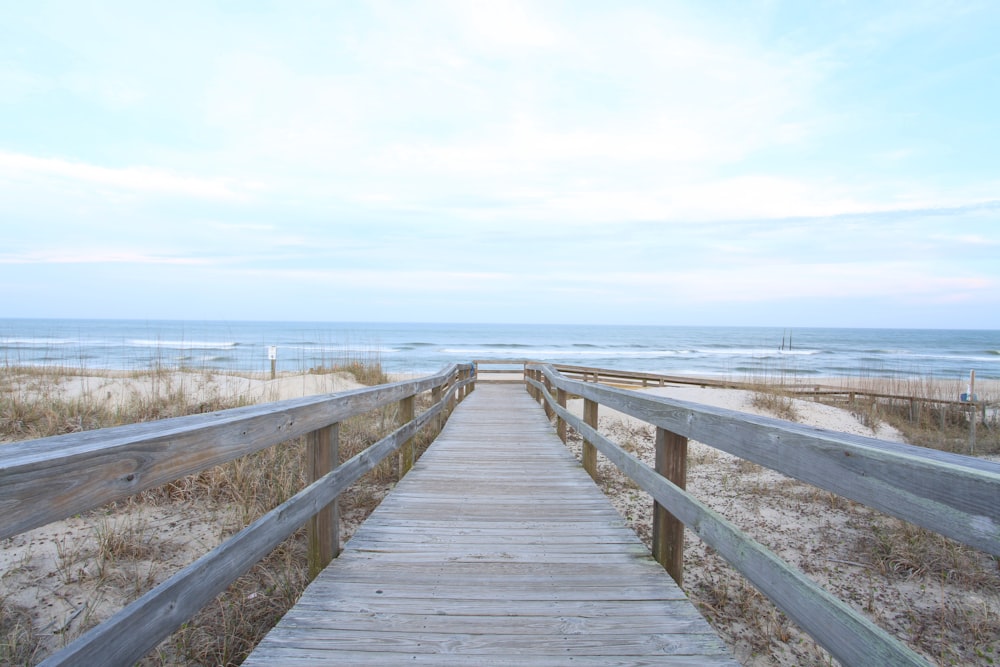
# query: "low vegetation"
{"type": "Point", "coordinates": [934, 593]}
{"type": "Point", "coordinates": [939, 596]}
{"type": "Point", "coordinates": [114, 554]}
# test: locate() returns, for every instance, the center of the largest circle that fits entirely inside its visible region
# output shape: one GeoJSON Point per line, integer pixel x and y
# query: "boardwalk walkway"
{"type": "Point", "coordinates": [496, 549]}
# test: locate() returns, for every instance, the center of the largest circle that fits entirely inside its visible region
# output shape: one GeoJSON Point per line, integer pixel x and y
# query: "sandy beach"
{"type": "Point", "coordinates": [55, 573]}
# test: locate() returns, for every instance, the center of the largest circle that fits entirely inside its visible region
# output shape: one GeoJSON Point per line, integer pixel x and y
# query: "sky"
{"type": "Point", "coordinates": [828, 163]}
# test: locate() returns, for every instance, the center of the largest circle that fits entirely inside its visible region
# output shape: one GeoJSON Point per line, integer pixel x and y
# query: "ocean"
{"type": "Point", "coordinates": [732, 352]}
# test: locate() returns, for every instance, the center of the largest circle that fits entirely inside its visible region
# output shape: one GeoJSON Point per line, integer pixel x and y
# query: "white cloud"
{"type": "Point", "coordinates": [140, 179]}
{"type": "Point", "coordinates": [95, 256]}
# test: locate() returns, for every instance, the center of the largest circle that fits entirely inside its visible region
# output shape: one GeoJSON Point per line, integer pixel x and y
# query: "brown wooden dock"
{"type": "Point", "coordinates": [496, 549]}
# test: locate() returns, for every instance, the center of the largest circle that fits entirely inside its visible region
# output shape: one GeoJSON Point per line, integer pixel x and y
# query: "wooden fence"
{"type": "Point", "coordinates": [52, 478]}
{"type": "Point", "coordinates": [947, 493]}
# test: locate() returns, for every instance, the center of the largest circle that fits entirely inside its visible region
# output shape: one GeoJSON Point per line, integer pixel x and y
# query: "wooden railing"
{"type": "Point", "coordinates": [947, 493]}
{"type": "Point", "coordinates": [52, 478]}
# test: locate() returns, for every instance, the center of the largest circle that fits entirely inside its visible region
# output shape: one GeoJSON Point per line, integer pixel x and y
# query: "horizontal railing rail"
{"type": "Point", "coordinates": [802, 389]}
{"type": "Point", "coordinates": [950, 494]}
{"type": "Point", "coordinates": [49, 479]}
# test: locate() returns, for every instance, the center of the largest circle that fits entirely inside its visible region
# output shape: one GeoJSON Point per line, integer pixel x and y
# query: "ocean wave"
{"type": "Point", "coordinates": [184, 344]}
{"type": "Point", "coordinates": [756, 352]}
{"type": "Point", "coordinates": [342, 350]}
{"type": "Point", "coordinates": [38, 342]}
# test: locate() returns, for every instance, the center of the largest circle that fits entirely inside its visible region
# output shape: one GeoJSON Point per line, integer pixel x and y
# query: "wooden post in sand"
{"type": "Point", "coordinates": [435, 399]}
{"type": "Point", "coordinates": [272, 354]}
{"type": "Point", "coordinates": [668, 531]}
{"type": "Point", "coordinates": [589, 454]}
{"type": "Point", "coordinates": [406, 450]}
{"type": "Point", "coordinates": [322, 453]}
{"type": "Point", "coordinates": [560, 422]}
{"type": "Point", "coordinates": [972, 413]}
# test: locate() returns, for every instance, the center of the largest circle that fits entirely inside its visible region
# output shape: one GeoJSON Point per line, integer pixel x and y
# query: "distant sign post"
{"type": "Point", "coordinates": [272, 354]}
{"type": "Point", "coordinates": [971, 398]}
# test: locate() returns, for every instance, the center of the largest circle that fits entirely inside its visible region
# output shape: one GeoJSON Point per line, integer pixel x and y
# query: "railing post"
{"type": "Point", "coordinates": [464, 391]}
{"type": "Point", "coordinates": [405, 416]}
{"type": "Point", "coordinates": [322, 454]}
{"type": "Point", "coordinates": [436, 398]}
{"type": "Point", "coordinates": [589, 453]}
{"type": "Point", "coordinates": [560, 422]}
{"type": "Point", "coordinates": [545, 403]}
{"type": "Point", "coordinates": [668, 531]}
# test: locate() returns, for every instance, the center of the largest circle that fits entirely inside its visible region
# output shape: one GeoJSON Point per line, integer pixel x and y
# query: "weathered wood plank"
{"type": "Point", "coordinates": [951, 494]}
{"type": "Point", "coordinates": [496, 548]}
{"type": "Point", "coordinates": [845, 633]}
{"type": "Point", "coordinates": [49, 479]}
{"type": "Point", "coordinates": [129, 634]}
{"type": "Point", "coordinates": [290, 657]}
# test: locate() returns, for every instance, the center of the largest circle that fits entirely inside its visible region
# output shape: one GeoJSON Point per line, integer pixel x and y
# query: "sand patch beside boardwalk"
{"type": "Point", "coordinates": [906, 580]}
{"type": "Point", "coordinates": [58, 574]}
{"type": "Point", "coordinates": [120, 388]}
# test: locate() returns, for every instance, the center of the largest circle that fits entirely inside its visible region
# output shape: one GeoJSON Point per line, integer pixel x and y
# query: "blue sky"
{"type": "Point", "coordinates": [745, 163]}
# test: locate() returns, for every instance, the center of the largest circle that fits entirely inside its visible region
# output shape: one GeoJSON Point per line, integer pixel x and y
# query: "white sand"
{"type": "Point", "coordinates": [120, 388]}
{"type": "Point", "coordinates": [817, 532]}
{"type": "Point", "coordinates": [47, 570]}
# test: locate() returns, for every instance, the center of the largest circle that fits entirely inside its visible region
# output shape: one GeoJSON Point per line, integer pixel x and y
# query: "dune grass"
{"type": "Point", "coordinates": [119, 558]}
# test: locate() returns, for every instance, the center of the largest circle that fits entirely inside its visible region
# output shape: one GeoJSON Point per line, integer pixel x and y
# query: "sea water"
{"type": "Point", "coordinates": [732, 352]}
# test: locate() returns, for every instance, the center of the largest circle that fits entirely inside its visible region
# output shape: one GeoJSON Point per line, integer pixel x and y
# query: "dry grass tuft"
{"type": "Point", "coordinates": [899, 549]}
{"type": "Point", "coordinates": [775, 402]}
{"type": "Point", "coordinates": [19, 643]}
{"type": "Point", "coordinates": [940, 597]}
{"type": "Point", "coordinates": [365, 367]}
{"type": "Point", "coordinates": [123, 551]}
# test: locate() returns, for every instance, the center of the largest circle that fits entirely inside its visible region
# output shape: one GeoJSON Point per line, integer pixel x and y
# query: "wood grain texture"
{"type": "Point", "coordinates": [668, 530]}
{"type": "Point", "coordinates": [322, 456]}
{"type": "Point", "coordinates": [133, 631]}
{"type": "Point", "coordinates": [496, 549]}
{"type": "Point", "coordinates": [849, 636]}
{"type": "Point", "coordinates": [49, 479]}
{"type": "Point", "coordinates": [951, 494]}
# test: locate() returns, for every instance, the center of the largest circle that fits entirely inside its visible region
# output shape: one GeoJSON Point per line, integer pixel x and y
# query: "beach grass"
{"type": "Point", "coordinates": [122, 545]}
{"type": "Point", "coordinates": [117, 555]}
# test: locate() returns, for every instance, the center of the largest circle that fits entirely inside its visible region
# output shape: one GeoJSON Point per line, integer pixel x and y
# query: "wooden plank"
{"type": "Point", "coordinates": [129, 634]}
{"type": "Point", "coordinates": [951, 494]}
{"type": "Point", "coordinates": [849, 636]}
{"type": "Point", "coordinates": [290, 657]}
{"type": "Point", "coordinates": [668, 530]}
{"type": "Point", "coordinates": [51, 478]}
{"type": "Point", "coordinates": [322, 454]}
{"type": "Point", "coordinates": [497, 548]}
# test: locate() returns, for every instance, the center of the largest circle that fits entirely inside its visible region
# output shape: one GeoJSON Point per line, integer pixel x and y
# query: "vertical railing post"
{"type": "Point", "coordinates": [560, 422]}
{"type": "Point", "coordinates": [452, 394]}
{"type": "Point", "coordinates": [589, 454]}
{"type": "Point", "coordinates": [545, 403]}
{"type": "Point", "coordinates": [435, 399]}
{"type": "Point", "coordinates": [405, 416]}
{"type": "Point", "coordinates": [322, 454]}
{"type": "Point", "coordinates": [668, 531]}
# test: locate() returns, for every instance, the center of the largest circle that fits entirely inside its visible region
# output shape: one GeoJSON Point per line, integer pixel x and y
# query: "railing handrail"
{"type": "Point", "coordinates": [89, 469]}
{"type": "Point", "coordinates": [806, 389]}
{"type": "Point", "coordinates": [948, 493]}
{"type": "Point", "coordinates": [142, 455]}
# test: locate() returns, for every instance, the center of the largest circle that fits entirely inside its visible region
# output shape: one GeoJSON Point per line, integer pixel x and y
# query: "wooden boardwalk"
{"type": "Point", "coordinates": [496, 549]}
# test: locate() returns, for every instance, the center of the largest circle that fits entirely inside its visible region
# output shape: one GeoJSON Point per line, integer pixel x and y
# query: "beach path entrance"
{"type": "Point", "coordinates": [495, 549]}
